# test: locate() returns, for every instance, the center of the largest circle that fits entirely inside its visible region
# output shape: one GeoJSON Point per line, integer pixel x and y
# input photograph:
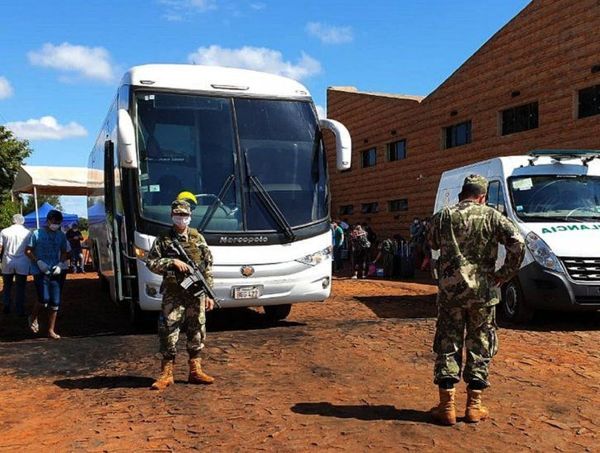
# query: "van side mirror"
{"type": "Point", "coordinates": [126, 140]}
{"type": "Point", "coordinates": [343, 142]}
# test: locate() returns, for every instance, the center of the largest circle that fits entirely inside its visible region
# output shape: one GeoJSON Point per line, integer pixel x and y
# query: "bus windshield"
{"type": "Point", "coordinates": [556, 198]}
{"type": "Point", "coordinates": [214, 147]}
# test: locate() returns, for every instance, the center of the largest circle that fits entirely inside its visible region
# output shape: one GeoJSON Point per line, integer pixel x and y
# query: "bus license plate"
{"type": "Point", "coordinates": [246, 292]}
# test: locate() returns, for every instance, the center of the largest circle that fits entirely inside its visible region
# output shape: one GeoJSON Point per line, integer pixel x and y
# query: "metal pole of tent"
{"type": "Point", "coordinates": [37, 214]}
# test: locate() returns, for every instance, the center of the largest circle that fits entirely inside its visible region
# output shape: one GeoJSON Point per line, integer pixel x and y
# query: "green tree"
{"type": "Point", "coordinates": [83, 224]}
{"type": "Point", "coordinates": [12, 153]}
{"type": "Point", "coordinates": [7, 209]}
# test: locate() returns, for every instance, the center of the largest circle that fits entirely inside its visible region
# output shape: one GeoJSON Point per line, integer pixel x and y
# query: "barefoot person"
{"type": "Point", "coordinates": [179, 307]}
{"type": "Point", "coordinates": [47, 249]}
{"type": "Point", "coordinates": [467, 236]}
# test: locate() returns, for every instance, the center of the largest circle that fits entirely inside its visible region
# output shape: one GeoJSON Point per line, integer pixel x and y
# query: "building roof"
{"type": "Point", "coordinates": [351, 89]}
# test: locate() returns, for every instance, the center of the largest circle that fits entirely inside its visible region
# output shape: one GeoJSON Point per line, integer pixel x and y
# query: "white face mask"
{"type": "Point", "coordinates": [54, 226]}
{"type": "Point", "coordinates": [181, 221]}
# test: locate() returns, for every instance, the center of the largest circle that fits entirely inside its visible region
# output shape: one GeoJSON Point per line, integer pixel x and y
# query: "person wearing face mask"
{"type": "Point", "coordinates": [47, 249]}
{"type": "Point", "coordinates": [180, 308]}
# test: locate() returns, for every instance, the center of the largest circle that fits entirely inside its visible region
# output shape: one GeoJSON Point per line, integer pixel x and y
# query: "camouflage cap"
{"type": "Point", "coordinates": [476, 180]}
{"type": "Point", "coordinates": [181, 207]}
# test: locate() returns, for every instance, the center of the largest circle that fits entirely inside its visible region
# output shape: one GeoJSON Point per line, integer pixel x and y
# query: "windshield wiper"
{"type": "Point", "coordinates": [269, 202]}
{"type": "Point", "coordinates": [272, 207]}
{"type": "Point", "coordinates": [210, 212]}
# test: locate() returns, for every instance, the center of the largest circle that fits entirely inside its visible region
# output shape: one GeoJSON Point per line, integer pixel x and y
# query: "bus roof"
{"type": "Point", "coordinates": [214, 79]}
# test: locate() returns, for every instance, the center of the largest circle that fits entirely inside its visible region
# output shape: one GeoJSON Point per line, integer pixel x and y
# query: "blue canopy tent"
{"type": "Point", "coordinates": [30, 219]}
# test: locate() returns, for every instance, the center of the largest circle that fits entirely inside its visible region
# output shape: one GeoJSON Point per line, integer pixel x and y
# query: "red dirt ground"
{"type": "Point", "coordinates": [353, 373]}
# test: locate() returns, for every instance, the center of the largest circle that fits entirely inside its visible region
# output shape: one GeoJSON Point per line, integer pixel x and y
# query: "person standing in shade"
{"type": "Point", "coordinates": [387, 250]}
{"type": "Point", "coordinates": [467, 236]}
{"type": "Point", "coordinates": [15, 265]}
{"type": "Point", "coordinates": [337, 240]}
{"type": "Point", "coordinates": [360, 246]}
{"type": "Point", "coordinates": [75, 237]}
{"type": "Point", "coordinates": [47, 249]}
{"type": "Point", "coordinates": [180, 308]}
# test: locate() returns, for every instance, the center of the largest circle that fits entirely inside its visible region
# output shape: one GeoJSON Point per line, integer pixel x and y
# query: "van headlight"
{"type": "Point", "coordinates": [315, 258]}
{"type": "Point", "coordinates": [542, 253]}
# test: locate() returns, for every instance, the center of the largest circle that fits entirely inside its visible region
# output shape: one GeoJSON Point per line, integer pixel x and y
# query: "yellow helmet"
{"type": "Point", "coordinates": [189, 197]}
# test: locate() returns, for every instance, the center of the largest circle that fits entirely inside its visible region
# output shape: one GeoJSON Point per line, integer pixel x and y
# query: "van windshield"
{"type": "Point", "coordinates": [556, 198]}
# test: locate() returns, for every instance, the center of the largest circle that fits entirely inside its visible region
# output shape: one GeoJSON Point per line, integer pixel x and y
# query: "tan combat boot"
{"type": "Point", "coordinates": [445, 412]}
{"type": "Point", "coordinates": [197, 376]}
{"type": "Point", "coordinates": [166, 375]}
{"type": "Point", "coordinates": [475, 410]}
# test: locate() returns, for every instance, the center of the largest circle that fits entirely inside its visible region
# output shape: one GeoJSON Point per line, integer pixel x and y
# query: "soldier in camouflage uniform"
{"type": "Point", "coordinates": [179, 307]}
{"type": "Point", "coordinates": [467, 236]}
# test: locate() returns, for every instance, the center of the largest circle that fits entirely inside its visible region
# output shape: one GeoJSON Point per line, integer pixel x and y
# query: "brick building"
{"type": "Point", "coordinates": [534, 84]}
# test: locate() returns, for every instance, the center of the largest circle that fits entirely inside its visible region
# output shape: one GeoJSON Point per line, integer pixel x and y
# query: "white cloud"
{"type": "Point", "coordinates": [88, 62]}
{"type": "Point", "coordinates": [6, 89]}
{"type": "Point", "coordinates": [256, 58]}
{"type": "Point", "coordinates": [176, 10]}
{"type": "Point", "coordinates": [321, 112]}
{"type": "Point", "coordinates": [329, 34]}
{"type": "Point", "coordinates": [258, 6]}
{"type": "Point", "coordinates": [46, 128]}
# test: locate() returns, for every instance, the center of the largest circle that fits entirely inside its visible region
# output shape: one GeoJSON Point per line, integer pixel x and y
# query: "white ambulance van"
{"type": "Point", "coordinates": [553, 196]}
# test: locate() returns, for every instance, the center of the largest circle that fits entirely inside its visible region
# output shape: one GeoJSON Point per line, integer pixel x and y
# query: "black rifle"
{"type": "Point", "coordinates": [195, 283]}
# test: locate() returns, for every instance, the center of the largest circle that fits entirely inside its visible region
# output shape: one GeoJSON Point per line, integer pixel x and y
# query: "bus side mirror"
{"type": "Point", "coordinates": [343, 142]}
{"type": "Point", "coordinates": [126, 140]}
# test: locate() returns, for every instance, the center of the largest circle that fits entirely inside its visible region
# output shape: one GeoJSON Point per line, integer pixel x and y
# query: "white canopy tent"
{"type": "Point", "coordinates": [50, 181]}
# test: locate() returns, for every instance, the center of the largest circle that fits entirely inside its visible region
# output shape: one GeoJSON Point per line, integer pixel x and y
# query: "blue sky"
{"type": "Point", "coordinates": [60, 61]}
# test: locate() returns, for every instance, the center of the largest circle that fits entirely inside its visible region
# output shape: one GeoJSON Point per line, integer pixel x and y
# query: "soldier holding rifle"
{"type": "Point", "coordinates": [181, 307]}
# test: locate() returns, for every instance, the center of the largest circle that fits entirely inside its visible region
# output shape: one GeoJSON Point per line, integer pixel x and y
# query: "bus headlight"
{"type": "Point", "coordinates": [315, 258]}
{"type": "Point", "coordinates": [542, 253]}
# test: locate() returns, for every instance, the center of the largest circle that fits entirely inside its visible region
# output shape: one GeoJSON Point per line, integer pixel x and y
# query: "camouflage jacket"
{"type": "Point", "coordinates": [467, 236]}
{"type": "Point", "coordinates": [161, 256]}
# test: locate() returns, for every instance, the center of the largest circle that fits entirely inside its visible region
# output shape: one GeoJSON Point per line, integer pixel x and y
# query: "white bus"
{"type": "Point", "coordinates": [249, 146]}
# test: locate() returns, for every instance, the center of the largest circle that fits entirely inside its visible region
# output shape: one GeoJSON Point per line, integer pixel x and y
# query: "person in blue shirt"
{"type": "Point", "coordinates": [47, 249]}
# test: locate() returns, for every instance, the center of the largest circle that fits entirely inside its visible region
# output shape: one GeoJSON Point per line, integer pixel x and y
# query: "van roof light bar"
{"type": "Point", "coordinates": [586, 155]}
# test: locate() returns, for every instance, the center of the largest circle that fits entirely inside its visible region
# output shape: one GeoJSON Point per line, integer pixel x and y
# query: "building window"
{"type": "Point", "coordinates": [369, 157]}
{"type": "Point", "coordinates": [346, 209]}
{"type": "Point", "coordinates": [396, 150]}
{"type": "Point", "coordinates": [398, 205]}
{"type": "Point", "coordinates": [589, 102]}
{"type": "Point", "coordinates": [457, 135]}
{"type": "Point", "coordinates": [519, 119]}
{"type": "Point", "coordinates": [369, 208]}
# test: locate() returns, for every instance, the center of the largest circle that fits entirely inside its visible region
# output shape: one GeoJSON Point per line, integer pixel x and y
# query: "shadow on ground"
{"type": "Point", "coordinates": [362, 412]}
{"type": "Point", "coordinates": [548, 321]}
{"type": "Point", "coordinates": [403, 307]}
{"type": "Point", "coordinates": [104, 382]}
{"type": "Point", "coordinates": [86, 310]}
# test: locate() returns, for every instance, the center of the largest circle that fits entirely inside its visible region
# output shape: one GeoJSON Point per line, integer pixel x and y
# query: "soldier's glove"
{"type": "Point", "coordinates": [56, 270]}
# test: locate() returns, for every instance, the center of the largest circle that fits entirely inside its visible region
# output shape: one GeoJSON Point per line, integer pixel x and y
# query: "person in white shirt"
{"type": "Point", "coordinates": [15, 265]}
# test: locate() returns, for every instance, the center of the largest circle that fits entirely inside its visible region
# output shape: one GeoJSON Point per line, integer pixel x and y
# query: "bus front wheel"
{"type": "Point", "coordinates": [277, 312]}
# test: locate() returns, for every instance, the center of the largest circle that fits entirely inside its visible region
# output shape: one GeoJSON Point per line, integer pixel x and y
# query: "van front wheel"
{"type": "Point", "coordinates": [513, 306]}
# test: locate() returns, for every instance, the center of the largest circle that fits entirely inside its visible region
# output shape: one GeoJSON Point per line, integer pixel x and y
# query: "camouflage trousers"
{"type": "Point", "coordinates": [179, 311]}
{"type": "Point", "coordinates": [472, 327]}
